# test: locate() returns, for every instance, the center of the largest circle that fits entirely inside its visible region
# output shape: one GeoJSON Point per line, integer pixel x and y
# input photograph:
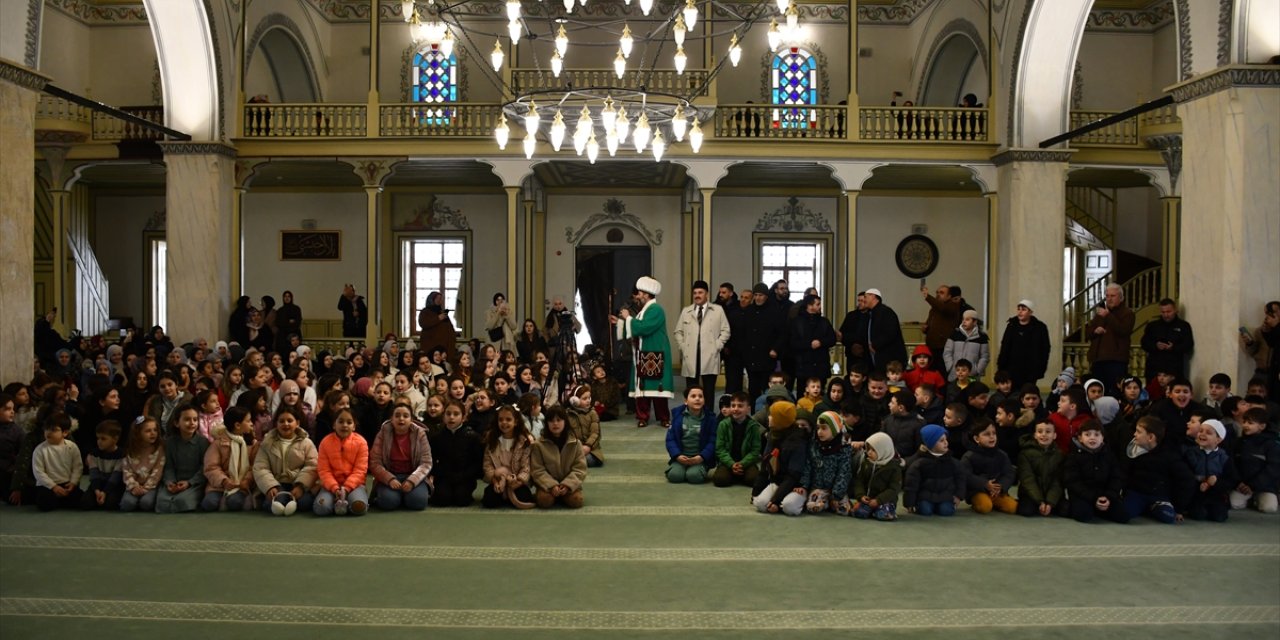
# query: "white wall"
{"type": "Point", "coordinates": [123, 65]}
{"type": "Point", "coordinates": [118, 226]}
{"type": "Point", "coordinates": [348, 77]}
{"type": "Point", "coordinates": [64, 46]}
{"type": "Point", "coordinates": [1116, 70]}
{"type": "Point", "coordinates": [957, 225]}
{"type": "Point", "coordinates": [889, 67]}
{"type": "Point", "coordinates": [733, 222]}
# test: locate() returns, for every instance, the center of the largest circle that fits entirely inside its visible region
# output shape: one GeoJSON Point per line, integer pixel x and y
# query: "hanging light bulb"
{"type": "Point", "coordinates": [562, 41]}
{"type": "Point", "coordinates": [407, 9]}
{"type": "Point", "coordinates": [531, 119]}
{"type": "Point", "coordinates": [626, 41]}
{"type": "Point", "coordinates": [513, 10]}
{"type": "Point", "coordinates": [690, 14]}
{"type": "Point", "coordinates": [695, 136]}
{"type": "Point", "coordinates": [582, 131]}
{"type": "Point", "coordinates": [782, 5]}
{"type": "Point", "coordinates": [620, 64]}
{"type": "Point", "coordinates": [679, 30]}
{"type": "Point", "coordinates": [582, 2]}
{"type": "Point", "coordinates": [641, 135]}
{"type": "Point", "coordinates": [557, 64]}
{"type": "Point", "coordinates": [681, 61]}
{"type": "Point", "coordinates": [775, 36]}
{"type": "Point", "coordinates": [659, 146]}
{"type": "Point", "coordinates": [530, 145]}
{"type": "Point", "coordinates": [608, 116]}
{"type": "Point", "coordinates": [593, 148]}
{"type": "Point", "coordinates": [646, 6]}
{"type": "Point", "coordinates": [417, 29]}
{"type": "Point", "coordinates": [611, 142]}
{"type": "Point", "coordinates": [793, 18]}
{"type": "Point", "coordinates": [628, 2]}
{"type": "Point", "coordinates": [624, 124]}
{"type": "Point", "coordinates": [735, 50]}
{"type": "Point", "coordinates": [496, 56]}
{"type": "Point", "coordinates": [513, 30]}
{"type": "Point", "coordinates": [502, 132]}
{"type": "Point", "coordinates": [447, 43]}
{"type": "Point", "coordinates": [557, 131]}
{"type": "Point", "coordinates": [568, 6]}
{"type": "Point", "coordinates": [678, 123]}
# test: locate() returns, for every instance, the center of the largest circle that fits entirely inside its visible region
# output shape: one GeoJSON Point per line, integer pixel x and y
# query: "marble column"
{"type": "Point", "coordinates": [513, 212]}
{"type": "Point", "coordinates": [373, 173]}
{"type": "Point", "coordinates": [704, 236]}
{"type": "Point", "coordinates": [19, 91]}
{"type": "Point", "coordinates": [1170, 245]}
{"type": "Point", "coordinates": [1030, 216]}
{"type": "Point", "coordinates": [199, 201]}
{"type": "Point", "coordinates": [850, 266]}
{"type": "Point", "coordinates": [1230, 244]}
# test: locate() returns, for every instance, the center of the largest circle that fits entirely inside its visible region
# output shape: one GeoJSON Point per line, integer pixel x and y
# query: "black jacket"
{"type": "Point", "coordinates": [884, 333]}
{"type": "Point", "coordinates": [982, 464]}
{"type": "Point", "coordinates": [763, 329]}
{"type": "Point", "coordinates": [806, 328]}
{"type": "Point", "coordinates": [1024, 350]}
{"type": "Point", "coordinates": [1178, 333]}
{"type": "Point", "coordinates": [1161, 473]}
{"type": "Point", "coordinates": [1088, 475]}
{"type": "Point", "coordinates": [933, 478]}
{"type": "Point", "coordinates": [457, 455]}
{"type": "Point", "coordinates": [1257, 461]}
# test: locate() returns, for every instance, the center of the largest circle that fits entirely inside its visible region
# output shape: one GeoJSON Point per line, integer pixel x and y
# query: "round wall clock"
{"type": "Point", "coordinates": [917, 256]}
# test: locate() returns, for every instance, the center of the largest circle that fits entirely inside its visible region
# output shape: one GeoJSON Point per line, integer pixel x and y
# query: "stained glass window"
{"type": "Point", "coordinates": [794, 85]}
{"type": "Point", "coordinates": [435, 80]}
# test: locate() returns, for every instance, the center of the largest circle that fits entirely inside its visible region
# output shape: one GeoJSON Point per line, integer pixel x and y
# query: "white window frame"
{"type": "Point", "coordinates": [157, 278]}
{"type": "Point", "coordinates": [405, 283]}
{"type": "Point", "coordinates": [768, 274]}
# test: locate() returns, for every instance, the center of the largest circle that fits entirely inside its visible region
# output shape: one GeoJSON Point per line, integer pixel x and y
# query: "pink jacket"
{"type": "Point", "coordinates": [380, 454]}
{"type": "Point", "coordinates": [343, 463]}
{"type": "Point", "coordinates": [516, 461]}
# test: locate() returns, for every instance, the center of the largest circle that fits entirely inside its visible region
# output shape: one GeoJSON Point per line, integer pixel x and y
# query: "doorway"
{"type": "Point", "coordinates": [603, 280]}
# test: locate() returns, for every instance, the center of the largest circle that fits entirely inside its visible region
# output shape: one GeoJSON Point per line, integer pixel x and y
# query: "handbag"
{"type": "Point", "coordinates": [495, 334]}
{"type": "Point", "coordinates": [649, 365]}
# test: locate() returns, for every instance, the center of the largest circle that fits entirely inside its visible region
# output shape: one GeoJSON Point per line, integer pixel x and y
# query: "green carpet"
{"type": "Point", "coordinates": [642, 559]}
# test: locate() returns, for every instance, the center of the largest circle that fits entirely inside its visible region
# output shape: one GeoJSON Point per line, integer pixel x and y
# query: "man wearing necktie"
{"type": "Point", "coordinates": [701, 332]}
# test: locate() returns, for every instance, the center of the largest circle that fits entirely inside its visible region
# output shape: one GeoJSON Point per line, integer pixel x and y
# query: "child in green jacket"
{"type": "Point", "coordinates": [1040, 472]}
{"type": "Point", "coordinates": [738, 445]}
{"type": "Point", "coordinates": [879, 481]}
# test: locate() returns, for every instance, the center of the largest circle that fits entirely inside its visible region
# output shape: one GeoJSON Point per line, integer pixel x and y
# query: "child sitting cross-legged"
{"type": "Point", "coordinates": [506, 462]}
{"type": "Point", "coordinates": [1040, 472]}
{"type": "Point", "coordinates": [228, 463]}
{"type": "Point", "coordinates": [738, 445]}
{"type": "Point", "coordinates": [935, 481]}
{"type": "Point", "coordinates": [558, 464]}
{"type": "Point", "coordinates": [57, 466]}
{"type": "Point", "coordinates": [142, 467]}
{"type": "Point", "coordinates": [1092, 478]}
{"type": "Point", "coordinates": [343, 466]}
{"type": "Point", "coordinates": [400, 461]}
{"type": "Point", "coordinates": [1158, 484]}
{"type": "Point", "coordinates": [826, 477]}
{"type": "Point", "coordinates": [778, 487]}
{"type": "Point", "coordinates": [106, 482]}
{"type": "Point", "coordinates": [988, 471]}
{"type": "Point", "coordinates": [691, 440]}
{"type": "Point", "coordinates": [184, 450]}
{"type": "Point", "coordinates": [1214, 472]}
{"type": "Point", "coordinates": [285, 468]}
{"type": "Point", "coordinates": [878, 482]}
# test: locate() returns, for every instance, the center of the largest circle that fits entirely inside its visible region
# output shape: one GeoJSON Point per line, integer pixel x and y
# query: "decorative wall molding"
{"type": "Point", "coordinates": [434, 216]}
{"type": "Point", "coordinates": [1226, 8]}
{"type": "Point", "coordinates": [1184, 39]}
{"type": "Point", "coordinates": [824, 79]}
{"type": "Point", "coordinates": [1077, 85]}
{"type": "Point", "coordinates": [1014, 71]}
{"type": "Point", "coordinates": [1031, 155]}
{"type": "Point", "coordinates": [217, 70]}
{"type": "Point", "coordinates": [22, 76]}
{"type": "Point", "coordinates": [1153, 17]}
{"type": "Point", "coordinates": [31, 55]}
{"type": "Point", "coordinates": [957, 26]}
{"type": "Point", "coordinates": [1170, 147]}
{"type": "Point", "coordinates": [91, 13]}
{"type": "Point", "coordinates": [1227, 78]}
{"type": "Point", "coordinates": [613, 211]}
{"type": "Point", "coordinates": [281, 21]}
{"type": "Point", "coordinates": [793, 217]}
{"type": "Point", "coordinates": [197, 148]}
{"type": "Point", "coordinates": [902, 12]}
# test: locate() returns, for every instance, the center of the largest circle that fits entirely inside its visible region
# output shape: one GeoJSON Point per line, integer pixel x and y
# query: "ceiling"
{"type": "Point", "coordinates": [618, 174]}
{"type": "Point", "coordinates": [907, 177]}
{"type": "Point", "coordinates": [123, 175]}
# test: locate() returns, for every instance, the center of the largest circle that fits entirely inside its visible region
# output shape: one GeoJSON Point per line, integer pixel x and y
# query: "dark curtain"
{"type": "Point", "coordinates": [595, 280]}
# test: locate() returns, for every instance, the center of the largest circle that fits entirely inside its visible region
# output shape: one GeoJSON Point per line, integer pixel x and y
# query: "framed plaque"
{"type": "Point", "coordinates": [310, 246]}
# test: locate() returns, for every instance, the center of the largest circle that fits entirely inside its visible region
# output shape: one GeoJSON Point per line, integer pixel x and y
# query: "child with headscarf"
{"type": "Point", "coordinates": [878, 482]}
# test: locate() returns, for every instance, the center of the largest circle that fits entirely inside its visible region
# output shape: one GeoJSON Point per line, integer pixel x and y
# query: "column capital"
{"type": "Point", "coordinates": [372, 171]}
{"type": "Point", "coordinates": [707, 173]}
{"type": "Point", "coordinates": [25, 77]}
{"type": "Point", "coordinates": [1223, 78]}
{"type": "Point", "coordinates": [194, 148]}
{"type": "Point", "coordinates": [245, 170]}
{"type": "Point", "coordinates": [1170, 147]}
{"type": "Point", "coordinates": [1031, 155]}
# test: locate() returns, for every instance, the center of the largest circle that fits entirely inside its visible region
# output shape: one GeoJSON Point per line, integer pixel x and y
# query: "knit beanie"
{"type": "Point", "coordinates": [1105, 409]}
{"type": "Point", "coordinates": [1068, 375]}
{"type": "Point", "coordinates": [833, 421]}
{"type": "Point", "coordinates": [782, 414]}
{"type": "Point", "coordinates": [930, 434]}
{"type": "Point", "coordinates": [882, 444]}
{"type": "Point", "coordinates": [806, 415]}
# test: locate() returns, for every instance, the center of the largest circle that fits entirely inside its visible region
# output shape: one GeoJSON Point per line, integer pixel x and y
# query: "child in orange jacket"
{"type": "Point", "coordinates": [920, 373]}
{"type": "Point", "coordinates": [343, 467]}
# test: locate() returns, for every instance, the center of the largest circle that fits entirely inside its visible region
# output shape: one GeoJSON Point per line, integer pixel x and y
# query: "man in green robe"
{"type": "Point", "coordinates": [647, 331]}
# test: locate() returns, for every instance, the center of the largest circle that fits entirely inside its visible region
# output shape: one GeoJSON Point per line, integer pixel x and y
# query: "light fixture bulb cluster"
{"type": "Point", "coordinates": [622, 122]}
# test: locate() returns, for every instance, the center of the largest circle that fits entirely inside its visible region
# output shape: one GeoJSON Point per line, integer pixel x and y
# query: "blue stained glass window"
{"type": "Point", "coordinates": [435, 81]}
{"type": "Point", "coordinates": [794, 84]}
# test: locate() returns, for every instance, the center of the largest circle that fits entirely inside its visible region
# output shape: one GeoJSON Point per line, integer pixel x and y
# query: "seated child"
{"type": "Point", "coordinates": [184, 450]}
{"type": "Point", "coordinates": [210, 413]}
{"type": "Point", "coordinates": [530, 406]}
{"type": "Point", "coordinates": [778, 388]}
{"type": "Point", "coordinates": [826, 477]}
{"type": "Point", "coordinates": [503, 391]}
{"type": "Point", "coordinates": [855, 433]}
{"type": "Point", "coordinates": [1073, 411]}
{"type": "Point", "coordinates": [285, 468]}
{"type": "Point", "coordinates": [506, 462]}
{"type": "Point", "coordinates": [956, 388]}
{"type": "Point", "coordinates": [929, 405]}
{"type": "Point", "coordinates": [1219, 390]}
{"type": "Point", "coordinates": [400, 461]}
{"type": "Point", "coordinates": [57, 466]}
{"type": "Point", "coordinates": [584, 422]}
{"type": "Point", "coordinates": [778, 487]}
{"type": "Point", "coordinates": [228, 463]}
{"type": "Point", "coordinates": [902, 424]}
{"type": "Point", "coordinates": [1092, 478]}
{"type": "Point", "coordinates": [1158, 483]}
{"type": "Point", "coordinates": [738, 445]}
{"type": "Point", "coordinates": [1009, 436]}
{"type": "Point", "coordinates": [605, 391]}
{"type": "Point", "coordinates": [558, 465]}
{"type": "Point", "coordinates": [106, 482]}
{"type": "Point", "coordinates": [893, 376]}
{"type": "Point", "coordinates": [956, 421]}
{"type": "Point", "coordinates": [857, 380]}
{"type": "Point", "coordinates": [878, 482]}
{"type": "Point", "coordinates": [1094, 389]}
{"type": "Point", "coordinates": [977, 397]}
{"type": "Point", "coordinates": [1040, 473]}
{"type": "Point", "coordinates": [10, 443]}
{"type": "Point", "coordinates": [691, 440]}
{"type": "Point", "coordinates": [935, 481]}
{"type": "Point", "coordinates": [1257, 463]}
{"type": "Point", "coordinates": [143, 467]}
{"type": "Point", "coordinates": [342, 467]}
{"type": "Point", "coordinates": [1214, 472]}
{"type": "Point", "coordinates": [920, 372]}
{"type": "Point", "coordinates": [1064, 381]}
{"type": "Point", "coordinates": [1030, 397]}
{"type": "Point", "coordinates": [834, 397]}
{"type": "Point", "coordinates": [988, 471]}
{"type": "Point", "coordinates": [1004, 388]}
{"type": "Point", "coordinates": [812, 394]}
{"type": "Point", "coordinates": [457, 452]}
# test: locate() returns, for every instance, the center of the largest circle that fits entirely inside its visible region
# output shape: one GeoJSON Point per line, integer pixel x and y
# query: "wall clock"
{"type": "Point", "coordinates": [917, 256]}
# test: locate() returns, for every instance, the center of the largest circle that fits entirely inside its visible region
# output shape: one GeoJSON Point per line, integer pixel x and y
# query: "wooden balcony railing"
{"type": "Point", "coordinates": [305, 120]}
{"type": "Point", "coordinates": [924, 124]}
{"type": "Point", "coordinates": [108, 128]}
{"type": "Point", "coordinates": [1076, 354]}
{"type": "Point", "coordinates": [54, 108]}
{"type": "Point", "coordinates": [456, 120]}
{"type": "Point", "coordinates": [768, 121]}
{"type": "Point", "coordinates": [659, 80]}
{"type": "Point", "coordinates": [1126, 133]}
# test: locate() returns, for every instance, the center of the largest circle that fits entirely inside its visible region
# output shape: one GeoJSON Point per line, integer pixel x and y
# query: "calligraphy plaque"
{"type": "Point", "coordinates": [302, 245]}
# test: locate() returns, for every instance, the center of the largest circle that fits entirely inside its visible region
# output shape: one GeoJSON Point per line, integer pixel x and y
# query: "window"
{"type": "Point", "coordinates": [431, 264]}
{"type": "Point", "coordinates": [794, 84]}
{"type": "Point", "coordinates": [159, 250]}
{"type": "Point", "coordinates": [434, 80]}
{"type": "Point", "coordinates": [798, 262]}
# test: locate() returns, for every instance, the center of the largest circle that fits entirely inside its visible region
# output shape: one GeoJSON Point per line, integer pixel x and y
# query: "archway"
{"type": "Point", "coordinates": [956, 67]}
{"type": "Point", "coordinates": [186, 53]}
{"type": "Point", "coordinates": [284, 70]}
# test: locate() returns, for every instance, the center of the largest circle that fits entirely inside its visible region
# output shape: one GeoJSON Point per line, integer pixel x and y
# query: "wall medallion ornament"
{"type": "Point", "coordinates": [917, 256]}
{"type": "Point", "coordinates": [614, 211]}
{"type": "Point", "coordinates": [793, 217]}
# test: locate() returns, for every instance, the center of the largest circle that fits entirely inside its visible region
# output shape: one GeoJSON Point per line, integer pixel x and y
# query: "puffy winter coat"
{"type": "Point", "coordinates": [1040, 472]}
{"type": "Point", "coordinates": [974, 346]}
{"type": "Point", "coordinates": [933, 478]}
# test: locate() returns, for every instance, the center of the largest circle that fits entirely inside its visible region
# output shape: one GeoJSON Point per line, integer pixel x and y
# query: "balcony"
{"type": "Point", "coordinates": [61, 118]}
{"type": "Point", "coordinates": [1126, 134]}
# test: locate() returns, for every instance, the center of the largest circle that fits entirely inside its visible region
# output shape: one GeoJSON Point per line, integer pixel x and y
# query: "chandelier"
{"type": "Point", "coordinates": [637, 106]}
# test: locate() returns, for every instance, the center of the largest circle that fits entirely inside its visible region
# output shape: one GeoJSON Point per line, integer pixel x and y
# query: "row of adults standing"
{"type": "Point", "coordinates": [266, 328]}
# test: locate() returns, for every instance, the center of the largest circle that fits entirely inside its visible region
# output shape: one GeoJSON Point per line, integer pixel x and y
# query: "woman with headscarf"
{"type": "Point", "coordinates": [436, 328]}
{"type": "Point", "coordinates": [288, 321]}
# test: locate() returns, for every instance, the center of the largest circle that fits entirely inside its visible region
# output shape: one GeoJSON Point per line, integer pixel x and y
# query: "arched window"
{"type": "Point", "coordinates": [435, 80]}
{"type": "Point", "coordinates": [794, 84]}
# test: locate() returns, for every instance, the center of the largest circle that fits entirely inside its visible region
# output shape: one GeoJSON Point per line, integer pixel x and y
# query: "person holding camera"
{"type": "Point", "coordinates": [436, 328]}
{"type": "Point", "coordinates": [560, 326]}
{"type": "Point", "coordinates": [499, 324]}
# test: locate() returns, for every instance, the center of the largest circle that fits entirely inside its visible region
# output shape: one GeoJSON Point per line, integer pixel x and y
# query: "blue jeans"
{"type": "Point", "coordinates": [926, 508]}
{"type": "Point", "coordinates": [390, 499]}
{"type": "Point", "coordinates": [144, 502]}
{"type": "Point", "coordinates": [1155, 507]}
{"type": "Point", "coordinates": [324, 502]}
{"type": "Point", "coordinates": [304, 503]}
{"type": "Point", "coordinates": [214, 499]}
